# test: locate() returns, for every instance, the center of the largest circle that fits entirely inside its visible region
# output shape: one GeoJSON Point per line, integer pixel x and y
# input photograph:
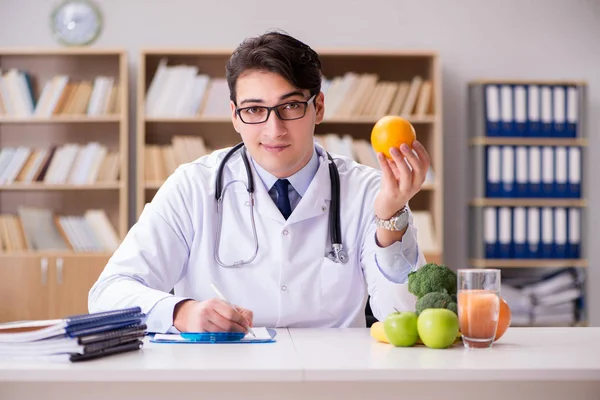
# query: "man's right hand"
{"type": "Point", "coordinates": [212, 315]}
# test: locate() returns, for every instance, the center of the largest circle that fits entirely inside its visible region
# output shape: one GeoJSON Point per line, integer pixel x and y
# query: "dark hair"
{"type": "Point", "coordinates": [279, 53]}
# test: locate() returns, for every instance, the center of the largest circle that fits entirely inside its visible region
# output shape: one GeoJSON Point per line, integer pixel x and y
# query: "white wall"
{"type": "Point", "coordinates": [553, 39]}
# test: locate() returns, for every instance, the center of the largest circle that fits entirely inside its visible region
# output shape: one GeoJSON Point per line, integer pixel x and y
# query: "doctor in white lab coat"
{"type": "Point", "coordinates": [290, 282]}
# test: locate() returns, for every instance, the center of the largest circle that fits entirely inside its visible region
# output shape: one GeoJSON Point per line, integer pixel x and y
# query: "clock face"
{"type": "Point", "coordinates": [76, 22]}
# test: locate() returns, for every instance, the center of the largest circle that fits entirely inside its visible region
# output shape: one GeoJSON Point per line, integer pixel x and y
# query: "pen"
{"type": "Point", "coordinates": [218, 292]}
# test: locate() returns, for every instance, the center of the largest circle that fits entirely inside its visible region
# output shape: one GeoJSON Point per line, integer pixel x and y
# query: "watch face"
{"type": "Point", "coordinates": [76, 22]}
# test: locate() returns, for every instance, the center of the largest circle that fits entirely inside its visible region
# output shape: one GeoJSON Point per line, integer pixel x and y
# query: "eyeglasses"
{"type": "Point", "coordinates": [286, 112]}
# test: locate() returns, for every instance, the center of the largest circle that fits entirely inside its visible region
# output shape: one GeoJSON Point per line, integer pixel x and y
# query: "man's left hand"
{"type": "Point", "coordinates": [398, 183]}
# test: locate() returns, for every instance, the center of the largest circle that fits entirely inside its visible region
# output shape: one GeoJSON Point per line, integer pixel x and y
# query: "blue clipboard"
{"type": "Point", "coordinates": [212, 338]}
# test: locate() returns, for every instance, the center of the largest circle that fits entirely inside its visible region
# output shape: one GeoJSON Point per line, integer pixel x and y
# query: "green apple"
{"type": "Point", "coordinates": [401, 328]}
{"type": "Point", "coordinates": [437, 327]}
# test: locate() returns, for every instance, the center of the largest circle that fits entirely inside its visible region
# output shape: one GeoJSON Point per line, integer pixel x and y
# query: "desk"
{"type": "Point", "coordinates": [556, 363]}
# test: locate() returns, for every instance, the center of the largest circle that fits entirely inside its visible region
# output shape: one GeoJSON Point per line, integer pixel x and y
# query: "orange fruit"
{"type": "Point", "coordinates": [503, 319]}
{"type": "Point", "coordinates": [391, 131]}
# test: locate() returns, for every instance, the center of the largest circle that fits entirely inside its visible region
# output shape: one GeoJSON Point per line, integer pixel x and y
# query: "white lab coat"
{"type": "Point", "coordinates": [290, 283]}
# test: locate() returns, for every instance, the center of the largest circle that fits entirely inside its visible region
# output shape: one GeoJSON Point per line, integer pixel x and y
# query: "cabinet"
{"type": "Point", "coordinates": [46, 286]}
{"type": "Point", "coordinates": [529, 187]}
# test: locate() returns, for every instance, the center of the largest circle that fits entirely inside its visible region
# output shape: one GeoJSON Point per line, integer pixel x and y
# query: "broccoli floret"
{"type": "Point", "coordinates": [432, 278]}
{"type": "Point", "coordinates": [436, 300]}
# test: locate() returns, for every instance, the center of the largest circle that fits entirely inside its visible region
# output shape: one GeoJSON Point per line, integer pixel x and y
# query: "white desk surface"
{"type": "Point", "coordinates": [317, 355]}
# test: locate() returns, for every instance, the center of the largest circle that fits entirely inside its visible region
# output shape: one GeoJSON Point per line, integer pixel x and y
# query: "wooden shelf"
{"type": "Point", "coordinates": [77, 254]}
{"type": "Point", "coordinates": [227, 120]}
{"type": "Point", "coordinates": [525, 141]}
{"type": "Point", "coordinates": [528, 263]}
{"type": "Point", "coordinates": [61, 119]}
{"type": "Point", "coordinates": [528, 202]}
{"type": "Point", "coordinates": [526, 82]}
{"type": "Point", "coordinates": [45, 186]}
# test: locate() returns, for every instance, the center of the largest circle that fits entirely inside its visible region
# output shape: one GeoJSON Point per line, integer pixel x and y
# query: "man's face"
{"type": "Point", "coordinates": [280, 147]}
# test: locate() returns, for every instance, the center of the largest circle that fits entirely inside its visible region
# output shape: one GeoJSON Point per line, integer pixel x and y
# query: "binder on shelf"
{"type": "Point", "coordinates": [572, 117]}
{"type": "Point", "coordinates": [574, 174]}
{"type": "Point", "coordinates": [490, 223]}
{"type": "Point", "coordinates": [493, 172]}
{"type": "Point", "coordinates": [492, 107]}
{"type": "Point", "coordinates": [520, 108]}
{"type": "Point", "coordinates": [520, 232]}
{"type": "Point", "coordinates": [559, 111]}
{"type": "Point", "coordinates": [533, 233]}
{"type": "Point", "coordinates": [561, 168]}
{"type": "Point", "coordinates": [505, 232]}
{"type": "Point", "coordinates": [506, 111]}
{"type": "Point", "coordinates": [508, 188]}
{"type": "Point", "coordinates": [547, 171]}
{"type": "Point", "coordinates": [521, 177]}
{"type": "Point", "coordinates": [574, 233]}
{"type": "Point", "coordinates": [547, 232]}
{"type": "Point", "coordinates": [546, 111]}
{"type": "Point", "coordinates": [533, 111]}
{"type": "Point", "coordinates": [535, 172]}
{"type": "Point", "coordinates": [560, 232]}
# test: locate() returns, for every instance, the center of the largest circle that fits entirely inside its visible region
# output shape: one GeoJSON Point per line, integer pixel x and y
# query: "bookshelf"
{"type": "Point", "coordinates": [528, 206]}
{"type": "Point", "coordinates": [63, 175]}
{"type": "Point", "coordinates": [189, 116]}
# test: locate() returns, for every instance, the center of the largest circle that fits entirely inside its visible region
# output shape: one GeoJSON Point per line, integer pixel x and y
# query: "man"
{"type": "Point", "coordinates": [288, 281]}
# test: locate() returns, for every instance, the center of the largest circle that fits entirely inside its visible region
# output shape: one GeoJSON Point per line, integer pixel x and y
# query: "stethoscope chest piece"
{"type": "Point", "coordinates": [338, 254]}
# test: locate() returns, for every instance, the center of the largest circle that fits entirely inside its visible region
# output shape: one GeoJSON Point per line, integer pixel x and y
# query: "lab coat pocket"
{"type": "Point", "coordinates": [340, 286]}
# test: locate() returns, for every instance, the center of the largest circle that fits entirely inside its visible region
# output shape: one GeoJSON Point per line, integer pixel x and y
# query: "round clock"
{"type": "Point", "coordinates": [76, 22]}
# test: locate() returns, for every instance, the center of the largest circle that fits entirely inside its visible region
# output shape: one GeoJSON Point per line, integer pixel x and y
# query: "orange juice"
{"type": "Point", "coordinates": [478, 312]}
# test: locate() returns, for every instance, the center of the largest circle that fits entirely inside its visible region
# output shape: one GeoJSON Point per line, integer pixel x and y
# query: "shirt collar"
{"type": "Point", "coordinates": [300, 181]}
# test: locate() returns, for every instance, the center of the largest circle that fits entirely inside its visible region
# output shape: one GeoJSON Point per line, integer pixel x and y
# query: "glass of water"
{"type": "Point", "coordinates": [478, 306]}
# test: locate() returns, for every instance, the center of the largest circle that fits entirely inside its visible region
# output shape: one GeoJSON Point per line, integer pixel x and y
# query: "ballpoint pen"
{"type": "Point", "coordinates": [222, 297]}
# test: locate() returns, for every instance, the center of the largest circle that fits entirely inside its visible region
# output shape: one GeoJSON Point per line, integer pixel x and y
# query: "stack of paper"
{"type": "Point", "coordinates": [75, 338]}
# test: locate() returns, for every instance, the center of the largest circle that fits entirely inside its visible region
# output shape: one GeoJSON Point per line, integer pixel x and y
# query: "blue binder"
{"type": "Point", "coordinates": [572, 105]}
{"type": "Point", "coordinates": [492, 109]}
{"type": "Point", "coordinates": [533, 111]}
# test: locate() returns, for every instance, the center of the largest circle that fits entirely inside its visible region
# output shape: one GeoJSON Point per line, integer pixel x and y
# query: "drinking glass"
{"type": "Point", "coordinates": [478, 306]}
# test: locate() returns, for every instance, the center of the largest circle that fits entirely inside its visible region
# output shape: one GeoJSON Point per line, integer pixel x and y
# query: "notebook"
{"type": "Point", "coordinates": [73, 326]}
{"type": "Point", "coordinates": [263, 335]}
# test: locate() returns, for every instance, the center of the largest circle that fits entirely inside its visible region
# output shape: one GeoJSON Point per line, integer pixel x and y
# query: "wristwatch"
{"type": "Point", "coordinates": [398, 222]}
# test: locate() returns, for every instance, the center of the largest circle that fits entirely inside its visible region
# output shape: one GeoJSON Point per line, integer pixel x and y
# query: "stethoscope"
{"type": "Point", "coordinates": [336, 254]}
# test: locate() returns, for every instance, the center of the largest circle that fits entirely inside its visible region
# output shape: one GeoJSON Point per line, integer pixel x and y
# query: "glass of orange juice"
{"type": "Point", "coordinates": [478, 306]}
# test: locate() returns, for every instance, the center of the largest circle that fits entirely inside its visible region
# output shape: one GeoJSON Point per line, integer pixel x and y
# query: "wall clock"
{"type": "Point", "coordinates": [76, 22]}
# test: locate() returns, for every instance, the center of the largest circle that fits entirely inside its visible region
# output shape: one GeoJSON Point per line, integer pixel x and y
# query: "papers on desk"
{"type": "Point", "coordinates": [263, 335]}
{"type": "Point", "coordinates": [547, 300]}
{"type": "Point", "coordinates": [75, 338]}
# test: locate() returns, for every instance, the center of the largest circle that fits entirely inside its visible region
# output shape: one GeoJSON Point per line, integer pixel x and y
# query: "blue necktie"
{"type": "Point", "coordinates": [283, 200]}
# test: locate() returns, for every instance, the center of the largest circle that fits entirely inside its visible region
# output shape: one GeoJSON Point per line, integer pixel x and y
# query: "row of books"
{"type": "Point", "coordinates": [532, 232]}
{"type": "Point", "coordinates": [69, 163]}
{"type": "Point", "coordinates": [59, 96]}
{"type": "Point", "coordinates": [39, 229]}
{"type": "Point", "coordinates": [182, 90]}
{"type": "Point", "coordinates": [74, 338]}
{"type": "Point", "coordinates": [362, 95]}
{"type": "Point", "coordinates": [160, 161]}
{"type": "Point", "coordinates": [360, 150]}
{"type": "Point", "coordinates": [549, 299]}
{"type": "Point", "coordinates": [533, 171]}
{"type": "Point", "coordinates": [532, 110]}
